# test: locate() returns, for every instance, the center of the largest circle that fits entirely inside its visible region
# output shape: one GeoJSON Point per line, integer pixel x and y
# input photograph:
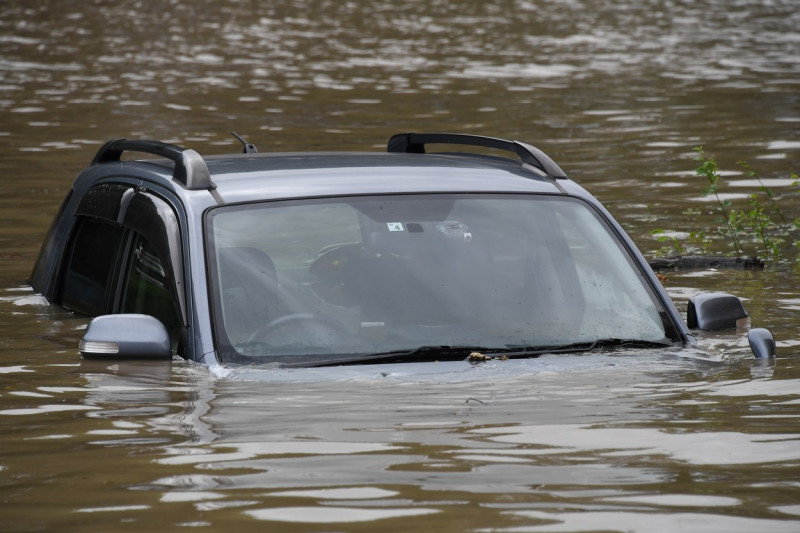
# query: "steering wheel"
{"type": "Point", "coordinates": [300, 326]}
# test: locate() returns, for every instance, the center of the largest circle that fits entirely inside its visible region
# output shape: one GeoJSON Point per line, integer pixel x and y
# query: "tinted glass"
{"type": "Point", "coordinates": [147, 288]}
{"type": "Point", "coordinates": [91, 259]}
{"type": "Point", "coordinates": [371, 274]}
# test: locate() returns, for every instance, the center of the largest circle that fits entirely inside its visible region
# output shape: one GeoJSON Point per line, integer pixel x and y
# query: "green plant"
{"type": "Point", "coordinates": [763, 223]}
{"type": "Point", "coordinates": [675, 246]}
{"type": "Point", "coordinates": [757, 222]}
{"type": "Point", "coordinates": [708, 169]}
{"type": "Point", "coordinates": [700, 240]}
{"type": "Point", "coordinates": [752, 174]}
{"type": "Point", "coordinates": [695, 242]}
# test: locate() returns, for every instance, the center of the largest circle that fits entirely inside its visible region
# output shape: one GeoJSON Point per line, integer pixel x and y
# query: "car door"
{"type": "Point", "coordinates": [125, 256]}
{"type": "Point", "coordinates": [151, 281]}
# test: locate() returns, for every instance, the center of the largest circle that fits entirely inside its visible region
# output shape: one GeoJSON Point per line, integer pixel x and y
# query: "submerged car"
{"type": "Point", "coordinates": [329, 258]}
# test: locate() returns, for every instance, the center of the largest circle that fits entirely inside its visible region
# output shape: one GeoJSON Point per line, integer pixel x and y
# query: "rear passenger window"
{"type": "Point", "coordinates": [91, 259]}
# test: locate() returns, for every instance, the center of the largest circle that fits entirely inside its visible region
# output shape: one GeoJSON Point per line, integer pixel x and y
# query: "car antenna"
{"type": "Point", "coordinates": [249, 148]}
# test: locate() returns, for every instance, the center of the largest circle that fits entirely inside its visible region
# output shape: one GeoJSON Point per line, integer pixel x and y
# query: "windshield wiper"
{"type": "Point", "coordinates": [411, 355]}
{"type": "Point", "coordinates": [461, 353]}
{"type": "Point", "coordinates": [578, 347]}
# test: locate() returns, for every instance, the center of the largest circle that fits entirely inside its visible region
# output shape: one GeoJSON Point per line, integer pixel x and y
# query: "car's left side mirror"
{"type": "Point", "coordinates": [715, 311]}
{"type": "Point", "coordinates": [718, 310]}
{"type": "Point", "coordinates": [126, 336]}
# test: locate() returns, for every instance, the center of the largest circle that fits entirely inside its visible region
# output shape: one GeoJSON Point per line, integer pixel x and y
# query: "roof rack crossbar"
{"type": "Point", "coordinates": [190, 167]}
{"type": "Point", "coordinates": [414, 143]}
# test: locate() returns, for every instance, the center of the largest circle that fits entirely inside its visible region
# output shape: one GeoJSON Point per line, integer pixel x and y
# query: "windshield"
{"type": "Point", "coordinates": [297, 281]}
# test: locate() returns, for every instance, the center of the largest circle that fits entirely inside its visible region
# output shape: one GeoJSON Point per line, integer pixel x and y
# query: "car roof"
{"type": "Point", "coordinates": [406, 167]}
{"type": "Point", "coordinates": [262, 176]}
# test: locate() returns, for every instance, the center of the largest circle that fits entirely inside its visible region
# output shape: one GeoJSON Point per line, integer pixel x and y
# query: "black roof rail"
{"type": "Point", "coordinates": [414, 143]}
{"type": "Point", "coordinates": [190, 167]}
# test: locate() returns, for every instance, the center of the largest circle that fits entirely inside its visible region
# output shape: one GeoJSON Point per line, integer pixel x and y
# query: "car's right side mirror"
{"type": "Point", "coordinates": [718, 310]}
{"type": "Point", "coordinates": [762, 343]}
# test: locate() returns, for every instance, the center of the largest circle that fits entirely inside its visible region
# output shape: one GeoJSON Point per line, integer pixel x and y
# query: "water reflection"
{"type": "Point", "coordinates": [618, 92]}
{"type": "Point", "coordinates": [332, 515]}
{"type": "Point", "coordinates": [402, 454]}
{"type": "Point", "coordinates": [525, 440]}
{"type": "Point", "coordinates": [691, 448]}
{"type": "Point", "coordinates": [641, 522]}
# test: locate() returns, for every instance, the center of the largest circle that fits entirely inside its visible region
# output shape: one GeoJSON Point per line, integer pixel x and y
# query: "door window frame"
{"type": "Point", "coordinates": [137, 210]}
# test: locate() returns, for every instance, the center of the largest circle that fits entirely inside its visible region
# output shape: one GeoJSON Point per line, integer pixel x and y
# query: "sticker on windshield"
{"type": "Point", "coordinates": [453, 228]}
{"type": "Point", "coordinates": [395, 226]}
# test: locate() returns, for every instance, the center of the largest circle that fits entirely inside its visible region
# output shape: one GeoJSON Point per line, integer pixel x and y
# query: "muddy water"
{"type": "Point", "coordinates": [618, 93]}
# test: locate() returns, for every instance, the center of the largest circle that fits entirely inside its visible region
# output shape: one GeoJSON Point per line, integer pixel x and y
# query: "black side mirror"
{"type": "Point", "coordinates": [718, 310]}
{"type": "Point", "coordinates": [714, 311]}
{"type": "Point", "coordinates": [762, 343]}
{"type": "Point", "coordinates": [126, 336]}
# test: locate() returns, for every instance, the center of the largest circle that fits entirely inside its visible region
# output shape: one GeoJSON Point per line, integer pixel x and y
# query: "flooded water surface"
{"type": "Point", "coordinates": [618, 93]}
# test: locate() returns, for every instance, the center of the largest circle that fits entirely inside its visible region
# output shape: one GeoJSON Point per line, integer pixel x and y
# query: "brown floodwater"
{"type": "Point", "coordinates": [619, 93]}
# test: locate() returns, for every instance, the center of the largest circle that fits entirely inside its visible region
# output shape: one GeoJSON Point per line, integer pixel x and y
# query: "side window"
{"type": "Point", "coordinates": [146, 288]}
{"type": "Point", "coordinates": [91, 259]}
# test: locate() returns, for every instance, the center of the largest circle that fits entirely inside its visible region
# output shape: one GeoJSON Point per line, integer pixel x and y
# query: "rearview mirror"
{"type": "Point", "coordinates": [126, 336]}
